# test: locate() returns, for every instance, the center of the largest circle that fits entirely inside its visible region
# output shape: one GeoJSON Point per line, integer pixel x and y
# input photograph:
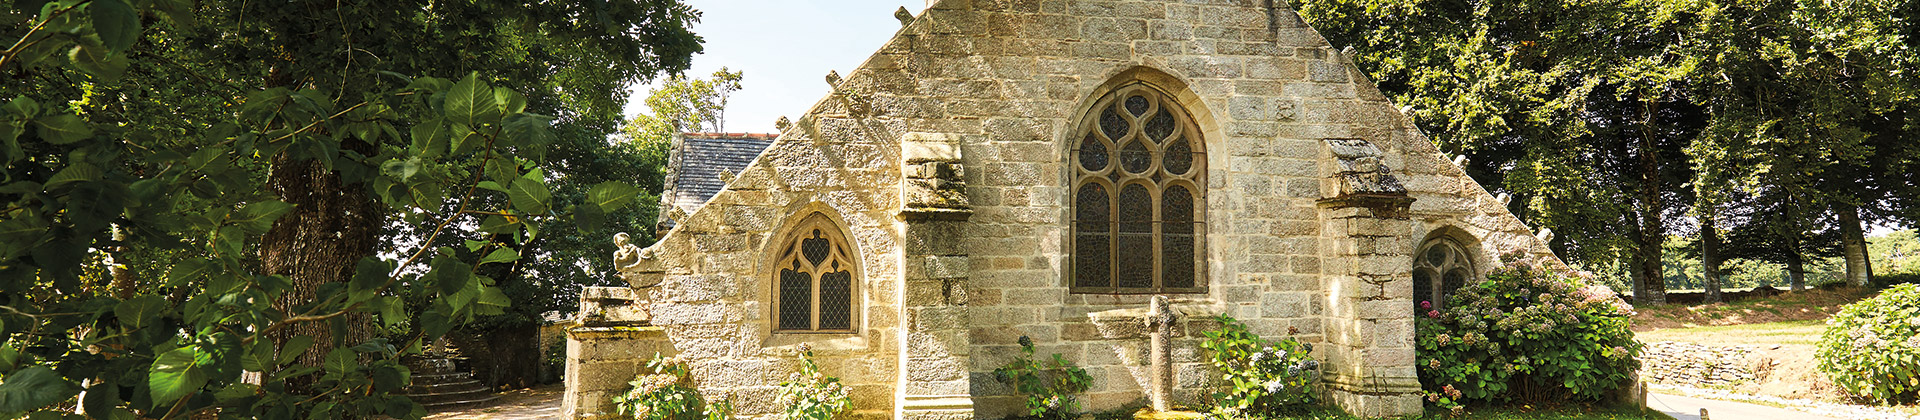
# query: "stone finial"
{"type": "Point", "coordinates": [1504, 199]}
{"type": "Point", "coordinates": [1545, 235]}
{"type": "Point", "coordinates": [726, 176]}
{"type": "Point", "coordinates": [782, 123]}
{"type": "Point", "coordinates": [905, 16]}
{"type": "Point", "coordinates": [1406, 109]}
{"type": "Point", "coordinates": [833, 78]}
{"type": "Point", "coordinates": [1460, 161]}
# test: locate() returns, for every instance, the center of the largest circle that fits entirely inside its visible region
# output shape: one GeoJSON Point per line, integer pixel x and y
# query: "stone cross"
{"type": "Point", "coordinates": [1160, 319]}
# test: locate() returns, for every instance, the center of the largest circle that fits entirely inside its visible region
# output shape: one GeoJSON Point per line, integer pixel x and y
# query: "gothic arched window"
{"type": "Point", "coordinates": [1441, 267]}
{"type": "Point", "coordinates": [814, 278]}
{"type": "Point", "coordinates": [1139, 196]}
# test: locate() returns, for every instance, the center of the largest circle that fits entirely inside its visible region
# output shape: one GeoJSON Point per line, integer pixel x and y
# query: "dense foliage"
{"type": "Point", "coordinates": [668, 393]}
{"type": "Point", "coordinates": [200, 199]}
{"type": "Point", "coordinates": [1872, 347]}
{"type": "Point", "coordinates": [1262, 375]}
{"type": "Point", "coordinates": [1049, 386]}
{"type": "Point", "coordinates": [1525, 333]}
{"type": "Point", "coordinates": [1773, 128]}
{"type": "Point", "coordinates": [810, 394]}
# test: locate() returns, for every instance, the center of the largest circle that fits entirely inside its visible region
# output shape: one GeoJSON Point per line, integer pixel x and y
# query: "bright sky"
{"type": "Point", "coordinates": [784, 48]}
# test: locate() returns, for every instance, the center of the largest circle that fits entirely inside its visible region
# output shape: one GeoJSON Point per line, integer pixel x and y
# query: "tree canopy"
{"type": "Point", "coordinates": [229, 206]}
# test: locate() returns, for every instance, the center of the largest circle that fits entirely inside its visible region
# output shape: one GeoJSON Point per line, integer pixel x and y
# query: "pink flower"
{"type": "Point", "coordinates": [1433, 314]}
{"type": "Point", "coordinates": [1426, 304]}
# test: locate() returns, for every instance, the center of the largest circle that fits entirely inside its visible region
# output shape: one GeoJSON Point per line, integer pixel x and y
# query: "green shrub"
{"type": "Point", "coordinates": [1872, 347]}
{"type": "Point", "coordinates": [668, 394]}
{"type": "Point", "coordinates": [1262, 375]}
{"type": "Point", "coordinates": [1049, 386]}
{"type": "Point", "coordinates": [810, 394]}
{"type": "Point", "coordinates": [1525, 333]}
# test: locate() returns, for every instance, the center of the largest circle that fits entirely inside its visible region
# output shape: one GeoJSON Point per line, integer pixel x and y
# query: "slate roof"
{"type": "Point", "coordinates": [699, 158]}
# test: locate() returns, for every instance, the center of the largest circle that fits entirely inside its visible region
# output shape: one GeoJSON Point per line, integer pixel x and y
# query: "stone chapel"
{"type": "Point", "coordinates": [1043, 168]}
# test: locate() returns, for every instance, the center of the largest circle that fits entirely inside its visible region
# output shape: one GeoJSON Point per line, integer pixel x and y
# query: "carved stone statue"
{"type": "Point", "coordinates": [626, 254]}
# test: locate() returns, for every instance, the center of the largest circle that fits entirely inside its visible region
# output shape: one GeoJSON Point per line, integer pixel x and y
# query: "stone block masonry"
{"type": "Point", "coordinates": [949, 158]}
{"type": "Point", "coordinates": [1697, 365]}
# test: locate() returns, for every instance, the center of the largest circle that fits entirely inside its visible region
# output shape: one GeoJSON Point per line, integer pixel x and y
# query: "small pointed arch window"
{"type": "Point", "coordinates": [813, 278]}
{"type": "Point", "coordinates": [1139, 181]}
{"type": "Point", "coordinates": [1441, 267]}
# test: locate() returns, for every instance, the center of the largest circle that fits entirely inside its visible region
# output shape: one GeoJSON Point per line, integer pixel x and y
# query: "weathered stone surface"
{"type": "Point", "coordinates": [950, 160]}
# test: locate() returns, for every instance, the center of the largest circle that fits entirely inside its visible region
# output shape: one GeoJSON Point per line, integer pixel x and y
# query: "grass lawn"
{"type": "Point", "coordinates": [1785, 332]}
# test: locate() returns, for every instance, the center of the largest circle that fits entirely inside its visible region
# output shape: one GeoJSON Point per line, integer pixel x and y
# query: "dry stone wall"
{"type": "Point", "coordinates": [1697, 365]}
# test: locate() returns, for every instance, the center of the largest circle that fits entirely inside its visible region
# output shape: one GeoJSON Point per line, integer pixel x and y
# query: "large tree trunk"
{"type": "Point", "coordinates": [1796, 264]}
{"type": "Point", "coordinates": [1853, 240]}
{"type": "Point", "coordinates": [1653, 228]}
{"type": "Point", "coordinates": [1710, 253]}
{"type": "Point", "coordinates": [331, 227]}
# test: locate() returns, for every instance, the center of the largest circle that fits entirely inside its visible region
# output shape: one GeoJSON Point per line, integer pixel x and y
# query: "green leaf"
{"type": "Point", "coordinates": [529, 195]}
{"type": "Point", "coordinates": [401, 168]}
{"type": "Point", "coordinates": [430, 139]}
{"type": "Point", "coordinates": [491, 224]}
{"type": "Point", "coordinates": [611, 196]}
{"type": "Point", "coordinates": [78, 172]}
{"type": "Point", "coordinates": [33, 388]}
{"type": "Point", "coordinates": [21, 107]}
{"type": "Point", "coordinates": [369, 274]}
{"type": "Point", "coordinates": [390, 378]}
{"type": "Point", "coordinates": [472, 102]}
{"type": "Point", "coordinates": [258, 217]}
{"type": "Point", "coordinates": [94, 59]}
{"type": "Point", "coordinates": [449, 274]}
{"type": "Point", "coordinates": [339, 362]}
{"type": "Point", "coordinates": [188, 270]}
{"type": "Point", "coordinates": [139, 311]}
{"type": "Point", "coordinates": [294, 347]}
{"type": "Point", "coordinates": [527, 130]}
{"type": "Point", "coordinates": [174, 375]}
{"type": "Point", "coordinates": [63, 128]}
{"type": "Point", "coordinates": [501, 255]}
{"type": "Point", "coordinates": [117, 23]}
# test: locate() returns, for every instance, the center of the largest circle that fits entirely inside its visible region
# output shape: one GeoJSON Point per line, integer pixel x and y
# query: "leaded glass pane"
{"type": "Point", "coordinates": [1179, 157]}
{"type": "Point", "coordinates": [1160, 126]}
{"type": "Point", "coordinates": [1437, 255]}
{"type": "Point", "coordinates": [1135, 251]}
{"type": "Point", "coordinates": [1176, 242]}
{"type": "Point", "coordinates": [1091, 245]}
{"type": "Point", "coordinates": [1113, 125]}
{"type": "Point", "coordinates": [1454, 279]}
{"type": "Point", "coordinates": [1135, 157]}
{"type": "Point", "coordinates": [1423, 289]}
{"type": "Point", "coordinates": [796, 300]}
{"type": "Point", "coordinates": [836, 300]}
{"type": "Point", "coordinates": [1137, 105]}
{"type": "Point", "coordinates": [1093, 154]}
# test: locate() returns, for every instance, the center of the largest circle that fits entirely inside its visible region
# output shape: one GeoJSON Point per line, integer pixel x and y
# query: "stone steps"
{"type": "Point", "coordinates": [442, 383]}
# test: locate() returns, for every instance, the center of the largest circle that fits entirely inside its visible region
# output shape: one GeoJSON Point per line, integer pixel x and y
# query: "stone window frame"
{"type": "Point", "coordinates": [788, 251]}
{"type": "Point", "coordinates": [1454, 258]}
{"type": "Point", "coordinates": [1157, 178]}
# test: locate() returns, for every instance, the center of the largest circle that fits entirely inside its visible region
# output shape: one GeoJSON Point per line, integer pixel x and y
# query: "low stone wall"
{"type": "Point", "coordinates": [600, 363]}
{"type": "Point", "coordinates": [1697, 365]}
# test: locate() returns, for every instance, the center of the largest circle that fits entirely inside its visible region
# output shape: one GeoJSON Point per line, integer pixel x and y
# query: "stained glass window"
{"type": "Point", "coordinates": [815, 283]}
{"type": "Point", "coordinates": [1437, 256]}
{"type": "Point", "coordinates": [1139, 197]}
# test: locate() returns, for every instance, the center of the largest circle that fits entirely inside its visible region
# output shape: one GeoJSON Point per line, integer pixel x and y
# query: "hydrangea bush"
{"type": "Point", "coordinates": [1262, 375]}
{"type": "Point", "coordinates": [1525, 333]}
{"type": "Point", "coordinates": [810, 394]}
{"type": "Point", "coordinates": [668, 394]}
{"type": "Point", "coordinates": [1872, 347]}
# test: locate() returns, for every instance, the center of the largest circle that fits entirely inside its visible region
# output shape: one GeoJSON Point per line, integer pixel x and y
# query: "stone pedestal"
{"type": "Point", "coordinates": [1368, 276]}
{"type": "Point", "coordinates": [933, 382]}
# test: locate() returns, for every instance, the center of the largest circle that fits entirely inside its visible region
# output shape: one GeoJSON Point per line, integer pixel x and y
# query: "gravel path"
{"type": "Point", "coordinates": [525, 404]}
{"type": "Point", "coordinates": [1801, 408]}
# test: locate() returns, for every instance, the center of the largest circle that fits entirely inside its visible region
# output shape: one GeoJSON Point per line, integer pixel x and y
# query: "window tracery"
{"type": "Point", "coordinates": [814, 278]}
{"type": "Point", "coordinates": [1139, 194]}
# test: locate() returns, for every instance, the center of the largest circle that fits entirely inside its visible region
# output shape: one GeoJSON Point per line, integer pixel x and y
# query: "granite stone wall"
{"type": "Point", "coordinates": [1696, 365]}
{"type": "Point", "coordinates": [986, 96]}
